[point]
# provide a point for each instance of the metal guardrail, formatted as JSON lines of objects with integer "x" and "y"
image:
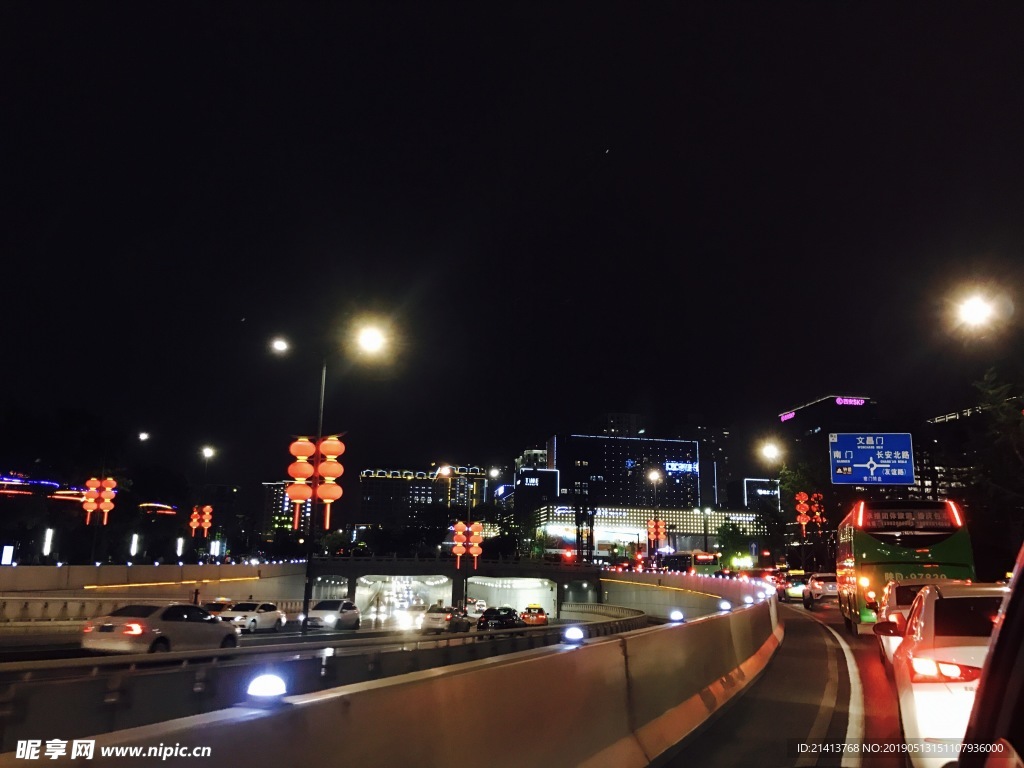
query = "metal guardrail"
{"x": 77, "y": 698}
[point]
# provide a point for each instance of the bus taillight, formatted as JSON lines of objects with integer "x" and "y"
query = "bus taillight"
{"x": 860, "y": 516}
{"x": 956, "y": 513}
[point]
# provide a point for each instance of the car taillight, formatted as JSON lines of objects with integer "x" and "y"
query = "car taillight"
{"x": 447, "y": 617}
{"x": 87, "y": 628}
{"x": 931, "y": 671}
{"x": 133, "y": 629}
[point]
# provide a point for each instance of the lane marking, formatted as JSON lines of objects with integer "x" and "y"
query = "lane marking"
{"x": 826, "y": 708}
{"x": 855, "y": 718}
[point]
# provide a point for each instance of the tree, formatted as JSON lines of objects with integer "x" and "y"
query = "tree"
{"x": 733, "y": 542}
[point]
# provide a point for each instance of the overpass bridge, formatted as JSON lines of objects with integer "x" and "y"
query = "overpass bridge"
{"x": 622, "y": 699}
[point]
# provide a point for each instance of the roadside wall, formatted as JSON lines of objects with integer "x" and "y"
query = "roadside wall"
{"x": 621, "y": 701}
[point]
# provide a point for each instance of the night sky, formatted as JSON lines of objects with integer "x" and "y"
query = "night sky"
{"x": 697, "y": 212}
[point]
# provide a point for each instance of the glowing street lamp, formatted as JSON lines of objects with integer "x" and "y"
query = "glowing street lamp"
{"x": 771, "y": 452}
{"x": 975, "y": 311}
{"x": 372, "y": 341}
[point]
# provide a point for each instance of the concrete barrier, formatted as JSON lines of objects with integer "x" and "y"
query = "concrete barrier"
{"x": 621, "y": 701}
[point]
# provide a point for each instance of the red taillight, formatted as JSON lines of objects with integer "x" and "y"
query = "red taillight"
{"x": 447, "y": 617}
{"x": 87, "y": 628}
{"x": 931, "y": 671}
{"x": 133, "y": 629}
{"x": 956, "y": 513}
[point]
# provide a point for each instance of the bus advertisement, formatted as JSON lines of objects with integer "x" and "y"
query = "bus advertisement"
{"x": 883, "y": 541}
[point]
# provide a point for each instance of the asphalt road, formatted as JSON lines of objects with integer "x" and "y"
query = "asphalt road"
{"x": 807, "y": 694}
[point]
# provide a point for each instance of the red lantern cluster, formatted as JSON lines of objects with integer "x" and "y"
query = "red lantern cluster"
{"x": 476, "y": 536}
{"x": 323, "y": 474}
{"x": 802, "y": 508}
{"x": 460, "y": 543}
{"x": 106, "y": 496}
{"x": 201, "y": 517}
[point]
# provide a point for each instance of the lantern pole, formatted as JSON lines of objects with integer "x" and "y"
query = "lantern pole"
{"x": 307, "y": 590}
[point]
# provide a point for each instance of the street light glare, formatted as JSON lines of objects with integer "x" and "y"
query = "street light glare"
{"x": 770, "y": 451}
{"x": 208, "y": 452}
{"x": 976, "y": 311}
{"x": 279, "y": 345}
{"x": 371, "y": 340}
{"x": 143, "y": 436}
{"x": 654, "y": 476}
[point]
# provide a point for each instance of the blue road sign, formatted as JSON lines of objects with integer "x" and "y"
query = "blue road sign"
{"x": 879, "y": 458}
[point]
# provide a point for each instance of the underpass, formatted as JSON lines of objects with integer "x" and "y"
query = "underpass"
{"x": 805, "y": 694}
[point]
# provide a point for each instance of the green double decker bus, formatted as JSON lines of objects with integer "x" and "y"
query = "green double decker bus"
{"x": 883, "y": 541}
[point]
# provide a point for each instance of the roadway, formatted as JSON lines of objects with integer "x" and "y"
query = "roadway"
{"x": 807, "y": 694}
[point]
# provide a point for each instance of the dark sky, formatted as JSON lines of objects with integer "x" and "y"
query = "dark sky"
{"x": 706, "y": 212}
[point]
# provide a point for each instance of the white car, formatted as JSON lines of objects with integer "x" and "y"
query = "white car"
{"x": 937, "y": 666}
{"x": 820, "y": 586}
{"x": 894, "y": 605}
{"x": 252, "y": 616}
{"x": 157, "y": 628}
{"x": 334, "y": 614}
{"x": 444, "y": 618}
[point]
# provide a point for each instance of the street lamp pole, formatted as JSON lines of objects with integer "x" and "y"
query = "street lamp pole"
{"x": 307, "y": 589}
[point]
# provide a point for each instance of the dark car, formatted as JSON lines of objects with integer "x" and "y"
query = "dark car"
{"x": 500, "y": 618}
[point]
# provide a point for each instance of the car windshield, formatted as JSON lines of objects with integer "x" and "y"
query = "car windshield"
{"x": 415, "y": 608}
{"x": 135, "y": 611}
{"x": 245, "y": 607}
{"x": 905, "y": 595}
{"x": 966, "y": 616}
{"x": 490, "y": 613}
{"x": 828, "y": 578}
{"x": 535, "y": 610}
{"x": 438, "y": 609}
{"x": 216, "y": 606}
{"x": 328, "y": 605}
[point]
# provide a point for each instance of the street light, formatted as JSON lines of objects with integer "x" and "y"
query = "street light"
{"x": 771, "y": 452}
{"x": 371, "y": 340}
{"x": 208, "y": 453}
{"x": 975, "y": 311}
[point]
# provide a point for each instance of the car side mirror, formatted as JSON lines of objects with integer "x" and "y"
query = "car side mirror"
{"x": 887, "y": 629}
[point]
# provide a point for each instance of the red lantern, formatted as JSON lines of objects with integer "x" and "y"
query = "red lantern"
{"x": 460, "y": 539}
{"x": 302, "y": 448}
{"x": 193, "y": 520}
{"x": 476, "y": 531}
{"x": 300, "y": 470}
{"x": 207, "y": 520}
{"x": 329, "y": 470}
{"x": 89, "y": 499}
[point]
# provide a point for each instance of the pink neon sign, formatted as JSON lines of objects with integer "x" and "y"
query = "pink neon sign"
{"x": 787, "y": 416}
{"x": 849, "y": 401}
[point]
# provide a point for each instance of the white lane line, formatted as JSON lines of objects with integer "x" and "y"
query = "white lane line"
{"x": 855, "y": 718}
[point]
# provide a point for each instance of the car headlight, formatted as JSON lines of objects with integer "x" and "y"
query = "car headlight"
{"x": 302, "y": 617}
{"x": 330, "y": 618}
